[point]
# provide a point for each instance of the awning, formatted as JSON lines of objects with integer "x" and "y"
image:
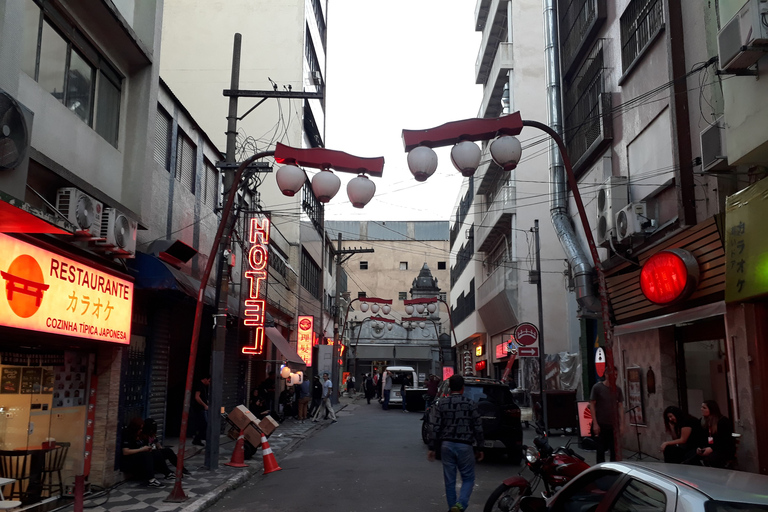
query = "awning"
{"x": 18, "y": 220}
{"x": 282, "y": 346}
{"x": 153, "y": 274}
{"x": 382, "y": 352}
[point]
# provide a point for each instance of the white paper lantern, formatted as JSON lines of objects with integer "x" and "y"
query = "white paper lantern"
{"x": 432, "y": 307}
{"x": 422, "y": 324}
{"x": 290, "y": 179}
{"x": 422, "y": 161}
{"x": 506, "y": 151}
{"x": 325, "y": 185}
{"x": 420, "y": 308}
{"x": 360, "y": 190}
{"x": 466, "y": 157}
{"x": 374, "y": 308}
{"x": 363, "y": 307}
{"x": 386, "y": 308}
{"x": 409, "y": 309}
{"x": 285, "y": 372}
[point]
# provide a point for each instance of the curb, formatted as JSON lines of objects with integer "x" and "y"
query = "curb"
{"x": 211, "y": 497}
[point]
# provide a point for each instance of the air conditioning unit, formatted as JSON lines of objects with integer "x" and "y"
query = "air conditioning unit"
{"x": 713, "y": 156}
{"x": 631, "y": 221}
{"x": 738, "y": 40}
{"x": 119, "y": 230}
{"x": 611, "y": 197}
{"x": 83, "y": 211}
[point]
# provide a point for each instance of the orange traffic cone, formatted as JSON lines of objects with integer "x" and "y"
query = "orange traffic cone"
{"x": 238, "y": 456}
{"x": 270, "y": 463}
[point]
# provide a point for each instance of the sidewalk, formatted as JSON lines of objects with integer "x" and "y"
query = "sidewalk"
{"x": 204, "y": 487}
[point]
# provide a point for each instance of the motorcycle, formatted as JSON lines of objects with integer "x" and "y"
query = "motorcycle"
{"x": 553, "y": 467}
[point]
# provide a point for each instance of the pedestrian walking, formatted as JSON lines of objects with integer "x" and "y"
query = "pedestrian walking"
{"x": 432, "y": 385}
{"x": 377, "y": 381}
{"x": 317, "y": 395}
{"x": 387, "y": 388}
{"x": 602, "y": 401}
{"x": 350, "y": 386}
{"x": 458, "y": 434}
{"x": 369, "y": 387}
{"x": 403, "y": 386}
{"x": 305, "y": 395}
{"x": 326, "y": 403}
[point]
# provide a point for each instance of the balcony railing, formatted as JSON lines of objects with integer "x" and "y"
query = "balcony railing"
{"x": 496, "y": 297}
{"x": 495, "y": 32}
{"x": 497, "y": 221}
{"x": 497, "y": 76}
{"x": 579, "y": 22}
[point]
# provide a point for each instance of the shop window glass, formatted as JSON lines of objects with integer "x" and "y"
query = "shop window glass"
{"x": 31, "y": 33}
{"x": 108, "y": 110}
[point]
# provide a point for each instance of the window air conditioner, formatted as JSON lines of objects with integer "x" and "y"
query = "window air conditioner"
{"x": 611, "y": 197}
{"x": 631, "y": 221}
{"x": 119, "y": 230}
{"x": 80, "y": 209}
{"x": 713, "y": 156}
{"x": 747, "y": 29}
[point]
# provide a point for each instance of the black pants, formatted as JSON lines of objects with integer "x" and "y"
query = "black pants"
{"x": 160, "y": 456}
{"x": 678, "y": 454}
{"x": 139, "y": 465}
{"x": 201, "y": 425}
{"x": 605, "y": 441}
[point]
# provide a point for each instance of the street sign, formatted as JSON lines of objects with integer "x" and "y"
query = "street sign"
{"x": 528, "y": 352}
{"x": 526, "y": 334}
{"x": 600, "y": 362}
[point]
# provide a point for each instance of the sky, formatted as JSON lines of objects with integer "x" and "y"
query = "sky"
{"x": 393, "y": 65}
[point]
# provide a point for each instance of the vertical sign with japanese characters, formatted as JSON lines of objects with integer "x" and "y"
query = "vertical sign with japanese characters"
{"x": 256, "y": 277}
{"x": 47, "y": 292}
{"x": 746, "y": 246}
{"x": 304, "y": 337}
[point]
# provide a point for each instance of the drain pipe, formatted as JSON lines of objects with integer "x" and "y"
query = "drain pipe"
{"x": 577, "y": 258}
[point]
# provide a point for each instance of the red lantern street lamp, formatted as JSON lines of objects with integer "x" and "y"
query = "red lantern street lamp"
{"x": 669, "y": 276}
{"x": 506, "y": 151}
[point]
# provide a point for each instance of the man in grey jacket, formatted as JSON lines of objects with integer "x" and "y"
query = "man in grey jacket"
{"x": 458, "y": 433}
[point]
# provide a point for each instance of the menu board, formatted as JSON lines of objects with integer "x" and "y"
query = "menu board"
{"x": 30, "y": 380}
{"x": 9, "y": 380}
{"x": 47, "y": 381}
{"x": 635, "y": 396}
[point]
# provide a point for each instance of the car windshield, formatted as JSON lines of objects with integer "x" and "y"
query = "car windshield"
{"x": 495, "y": 394}
{"x": 727, "y": 506}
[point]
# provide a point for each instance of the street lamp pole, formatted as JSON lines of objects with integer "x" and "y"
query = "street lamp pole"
{"x": 506, "y": 151}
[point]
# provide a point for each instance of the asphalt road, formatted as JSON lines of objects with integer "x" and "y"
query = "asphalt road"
{"x": 370, "y": 460}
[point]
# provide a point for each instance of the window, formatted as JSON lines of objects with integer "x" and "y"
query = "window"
{"x": 71, "y": 69}
{"x": 186, "y": 155}
{"x": 310, "y": 275}
{"x": 586, "y": 492}
{"x": 402, "y": 295}
{"x": 640, "y": 496}
{"x": 210, "y": 185}
{"x": 360, "y": 295}
{"x": 640, "y": 22}
{"x": 163, "y": 125}
{"x": 363, "y": 265}
{"x": 441, "y": 265}
{"x": 403, "y": 265}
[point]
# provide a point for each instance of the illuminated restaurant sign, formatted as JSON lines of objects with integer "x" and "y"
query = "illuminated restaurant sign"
{"x": 258, "y": 257}
{"x": 47, "y": 292}
{"x": 305, "y": 337}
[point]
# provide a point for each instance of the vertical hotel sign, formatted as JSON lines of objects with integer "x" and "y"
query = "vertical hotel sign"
{"x": 44, "y": 291}
{"x": 305, "y": 337}
{"x": 256, "y": 275}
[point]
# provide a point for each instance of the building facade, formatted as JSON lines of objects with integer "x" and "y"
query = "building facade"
{"x": 79, "y": 92}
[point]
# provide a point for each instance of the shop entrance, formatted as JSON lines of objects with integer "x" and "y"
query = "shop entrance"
{"x": 43, "y": 412}
{"x": 701, "y": 365}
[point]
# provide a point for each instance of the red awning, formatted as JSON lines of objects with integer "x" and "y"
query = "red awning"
{"x": 17, "y": 220}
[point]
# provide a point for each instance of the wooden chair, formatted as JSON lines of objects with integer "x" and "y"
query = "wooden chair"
{"x": 54, "y": 463}
{"x": 14, "y": 464}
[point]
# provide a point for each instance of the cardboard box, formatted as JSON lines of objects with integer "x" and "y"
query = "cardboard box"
{"x": 242, "y": 417}
{"x": 268, "y": 425}
{"x": 253, "y": 435}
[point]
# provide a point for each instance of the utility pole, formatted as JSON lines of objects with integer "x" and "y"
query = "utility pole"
{"x": 342, "y": 255}
{"x": 542, "y": 358}
{"x": 220, "y": 336}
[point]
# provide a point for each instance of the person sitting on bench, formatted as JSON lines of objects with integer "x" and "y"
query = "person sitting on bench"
{"x": 137, "y": 460}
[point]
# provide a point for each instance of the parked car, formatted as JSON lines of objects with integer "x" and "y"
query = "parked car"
{"x": 502, "y": 429}
{"x": 652, "y": 487}
{"x": 398, "y": 374}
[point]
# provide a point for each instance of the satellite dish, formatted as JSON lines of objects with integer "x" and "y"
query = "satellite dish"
{"x": 14, "y": 136}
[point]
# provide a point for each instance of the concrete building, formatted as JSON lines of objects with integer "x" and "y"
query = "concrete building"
{"x": 283, "y": 48}
{"x": 78, "y": 91}
{"x": 409, "y": 260}
{"x": 492, "y": 243}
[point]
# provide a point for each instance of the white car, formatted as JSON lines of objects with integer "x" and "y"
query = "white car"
{"x": 656, "y": 487}
{"x": 398, "y": 374}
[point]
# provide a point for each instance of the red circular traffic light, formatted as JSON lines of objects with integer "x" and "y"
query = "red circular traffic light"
{"x": 669, "y": 276}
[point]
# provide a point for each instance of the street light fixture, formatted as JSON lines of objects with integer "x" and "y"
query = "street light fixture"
{"x": 318, "y": 158}
{"x": 506, "y": 151}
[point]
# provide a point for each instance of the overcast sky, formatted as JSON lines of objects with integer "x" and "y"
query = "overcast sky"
{"x": 393, "y": 65}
